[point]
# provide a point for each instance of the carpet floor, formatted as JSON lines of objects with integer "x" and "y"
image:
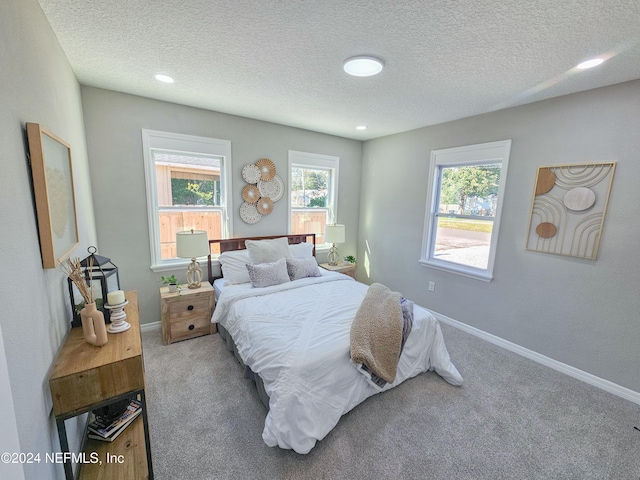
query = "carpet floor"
{"x": 512, "y": 419}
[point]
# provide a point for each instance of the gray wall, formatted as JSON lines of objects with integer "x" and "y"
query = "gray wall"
{"x": 38, "y": 86}
{"x": 579, "y": 312}
{"x": 113, "y": 123}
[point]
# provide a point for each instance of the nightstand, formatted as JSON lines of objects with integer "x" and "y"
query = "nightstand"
{"x": 346, "y": 269}
{"x": 187, "y": 313}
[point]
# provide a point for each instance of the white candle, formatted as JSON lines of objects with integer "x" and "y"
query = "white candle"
{"x": 115, "y": 298}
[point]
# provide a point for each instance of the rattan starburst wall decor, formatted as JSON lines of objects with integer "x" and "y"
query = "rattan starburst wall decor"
{"x": 568, "y": 209}
{"x": 263, "y": 188}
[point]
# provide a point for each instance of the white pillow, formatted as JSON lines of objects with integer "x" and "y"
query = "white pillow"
{"x": 233, "y": 266}
{"x": 267, "y": 274}
{"x": 266, "y": 251}
{"x": 298, "y": 268}
{"x": 301, "y": 250}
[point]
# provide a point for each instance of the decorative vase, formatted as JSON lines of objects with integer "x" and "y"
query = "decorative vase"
{"x": 93, "y": 326}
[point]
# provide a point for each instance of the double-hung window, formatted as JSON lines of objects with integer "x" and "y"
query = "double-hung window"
{"x": 313, "y": 187}
{"x": 466, "y": 189}
{"x": 188, "y": 187}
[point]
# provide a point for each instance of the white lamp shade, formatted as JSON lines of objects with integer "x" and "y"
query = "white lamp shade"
{"x": 334, "y": 233}
{"x": 192, "y": 244}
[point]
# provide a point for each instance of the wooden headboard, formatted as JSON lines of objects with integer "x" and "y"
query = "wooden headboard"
{"x": 229, "y": 244}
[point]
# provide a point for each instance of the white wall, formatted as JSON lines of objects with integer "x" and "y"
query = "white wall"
{"x": 579, "y": 312}
{"x": 113, "y": 123}
{"x": 38, "y": 86}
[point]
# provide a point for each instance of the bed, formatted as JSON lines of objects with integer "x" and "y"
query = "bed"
{"x": 293, "y": 338}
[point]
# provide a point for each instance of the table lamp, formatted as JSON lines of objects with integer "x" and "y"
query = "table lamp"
{"x": 334, "y": 234}
{"x": 192, "y": 244}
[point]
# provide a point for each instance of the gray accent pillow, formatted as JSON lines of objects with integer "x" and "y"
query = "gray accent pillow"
{"x": 301, "y": 268}
{"x": 267, "y": 274}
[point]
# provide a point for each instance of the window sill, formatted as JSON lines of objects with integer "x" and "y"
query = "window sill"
{"x": 470, "y": 272}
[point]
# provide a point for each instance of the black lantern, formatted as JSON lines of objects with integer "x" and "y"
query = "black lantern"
{"x": 104, "y": 279}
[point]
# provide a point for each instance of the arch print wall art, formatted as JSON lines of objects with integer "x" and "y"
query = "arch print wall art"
{"x": 568, "y": 209}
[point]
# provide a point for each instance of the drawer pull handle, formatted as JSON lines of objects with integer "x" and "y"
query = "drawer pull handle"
{"x": 191, "y": 327}
{"x": 190, "y": 307}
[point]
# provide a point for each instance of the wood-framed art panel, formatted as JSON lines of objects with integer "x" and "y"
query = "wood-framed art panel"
{"x": 568, "y": 209}
{"x": 52, "y": 174}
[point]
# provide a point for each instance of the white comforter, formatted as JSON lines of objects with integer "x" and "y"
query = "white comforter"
{"x": 296, "y": 337}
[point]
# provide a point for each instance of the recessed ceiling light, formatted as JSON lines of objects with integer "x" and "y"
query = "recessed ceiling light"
{"x": 164, "y": 78}
{"x": 361, "y": 127}
{"x": 363, "y": 66}
{"x": 594, "y": 62}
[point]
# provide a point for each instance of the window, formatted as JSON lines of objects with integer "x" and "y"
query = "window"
{"x": 466, "y": 186}
{"x": 187, "y": 180}
{"x": 313, "y": 187}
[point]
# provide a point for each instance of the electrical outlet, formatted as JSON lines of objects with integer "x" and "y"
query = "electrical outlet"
{"x": 432, "y": 286}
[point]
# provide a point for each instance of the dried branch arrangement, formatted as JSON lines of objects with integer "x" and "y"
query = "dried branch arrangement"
{"x": 74, "y": 271}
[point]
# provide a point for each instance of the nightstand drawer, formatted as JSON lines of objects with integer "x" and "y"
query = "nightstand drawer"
{"x": 189, "y": 308}
{"x": 190, "y": 327}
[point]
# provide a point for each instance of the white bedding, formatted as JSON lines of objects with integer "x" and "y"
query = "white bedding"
{"x": 296, "y": 337}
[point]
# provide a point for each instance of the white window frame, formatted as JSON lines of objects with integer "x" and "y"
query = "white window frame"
{"x": 470, "y": 155}
{"x": 188, "y": 144}
{"x": 315, "y": 160}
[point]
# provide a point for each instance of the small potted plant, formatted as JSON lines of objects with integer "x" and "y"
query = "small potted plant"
{"x": 349, "y": 259}
{"x": 171, "y": 282}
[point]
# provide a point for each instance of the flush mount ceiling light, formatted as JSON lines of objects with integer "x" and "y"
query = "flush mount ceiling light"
{"x": 363, "y": 66}
{"x": 594, "y": 62}
{"x": 361, "y": 127}
{"x": 164, "y": 78}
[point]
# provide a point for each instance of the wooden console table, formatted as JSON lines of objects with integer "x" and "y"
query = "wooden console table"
{"x": 85, "y": 377}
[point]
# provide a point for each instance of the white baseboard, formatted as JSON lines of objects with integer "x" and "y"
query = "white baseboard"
{"x": 150, "y": 327}
{"x": 601, "y": 383}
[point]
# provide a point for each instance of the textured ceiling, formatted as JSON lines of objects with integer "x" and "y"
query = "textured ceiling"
{"x": 281, "y": 60}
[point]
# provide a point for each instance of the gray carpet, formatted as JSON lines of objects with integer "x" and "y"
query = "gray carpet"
{"x": 512, "y": 419}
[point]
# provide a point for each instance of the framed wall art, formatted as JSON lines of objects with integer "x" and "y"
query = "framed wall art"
{"x": 53, "y": 190}
{"x": 568, "y": 209}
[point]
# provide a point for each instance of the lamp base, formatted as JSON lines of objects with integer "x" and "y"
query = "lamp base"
{"x": 332, "y": 257}
{"x": 194, "y": 275}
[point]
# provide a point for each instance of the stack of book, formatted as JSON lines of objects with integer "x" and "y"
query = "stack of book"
{"x": 107, "y": 429}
